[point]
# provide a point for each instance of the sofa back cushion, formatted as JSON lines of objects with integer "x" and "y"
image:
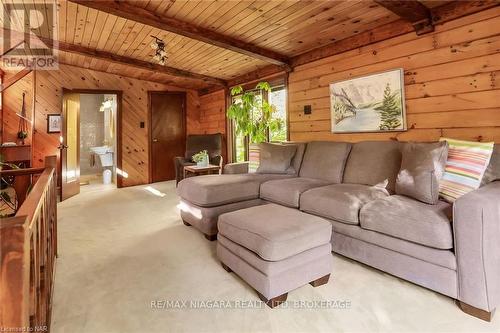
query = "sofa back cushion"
{"x": 374, "y": 163}
{"x": 493, "y": 171}
{"x": 422, "y": 168}
{"x": 325, "y": 160}
{"x": 276, "y": 158}
{"x": 299, "y": 155}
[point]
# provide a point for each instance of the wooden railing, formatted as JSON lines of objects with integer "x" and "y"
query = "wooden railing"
{"x": 28, "y": 250}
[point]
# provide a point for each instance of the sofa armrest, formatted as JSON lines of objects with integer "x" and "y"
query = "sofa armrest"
{"x": 233, "y": 168}
{"x": 476, "y": 226}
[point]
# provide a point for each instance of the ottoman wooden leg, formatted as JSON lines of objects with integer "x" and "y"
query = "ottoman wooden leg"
{"x": 273, "y": 302}
{"x": 321, "y": 281}
{"x": 226, "y": 267}
{"x": 185, "y": 223}
{"x": 475, "y": 312}
{"x": 211, "y": 237}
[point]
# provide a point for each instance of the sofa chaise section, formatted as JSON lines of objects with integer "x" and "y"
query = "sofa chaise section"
{"x": 204, "y": 198}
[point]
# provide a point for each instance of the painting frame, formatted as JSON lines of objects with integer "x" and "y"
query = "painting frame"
{"x": 396, "y": 75}
{"x": 54, "y": 124}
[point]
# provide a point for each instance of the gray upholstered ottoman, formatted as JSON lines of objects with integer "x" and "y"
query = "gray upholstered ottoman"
{"x": 275, "y": 249}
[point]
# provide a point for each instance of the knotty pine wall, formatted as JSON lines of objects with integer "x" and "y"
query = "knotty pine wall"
{"x": 49, "y": 85}
{"x": 452, "y": 83}
{"x": 12, "y": 101}
{"x": 213, "y": 116}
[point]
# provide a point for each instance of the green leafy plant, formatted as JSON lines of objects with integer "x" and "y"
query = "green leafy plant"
{"x": 21, "y": 135}
{"x": 252, "y": 114}
{"x": 200, "y": 157}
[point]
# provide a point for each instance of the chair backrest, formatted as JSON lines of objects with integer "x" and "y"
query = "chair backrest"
{"x": 209, "y": 142}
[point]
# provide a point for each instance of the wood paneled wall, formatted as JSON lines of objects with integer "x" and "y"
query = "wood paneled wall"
{"x": 12, "y": 101}
{"x": 49, "y": 85}
{"x": 212, "y": 116}
{"x": 452, "y": 83}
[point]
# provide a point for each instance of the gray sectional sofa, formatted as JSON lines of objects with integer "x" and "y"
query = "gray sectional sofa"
{"x": 452, "y": 249}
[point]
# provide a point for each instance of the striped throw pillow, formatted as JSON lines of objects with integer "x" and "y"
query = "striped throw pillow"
{"x": 467, "y": 161}
{"x": 253, "y": 158}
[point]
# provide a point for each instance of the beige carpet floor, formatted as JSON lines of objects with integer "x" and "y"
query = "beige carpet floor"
{"x": 120, "y": 251}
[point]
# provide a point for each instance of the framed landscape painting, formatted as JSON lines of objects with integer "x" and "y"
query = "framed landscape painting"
{"x": 372, "y": 103}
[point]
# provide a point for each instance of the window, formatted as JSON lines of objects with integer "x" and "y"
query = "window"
{"x": 276, "y": 97}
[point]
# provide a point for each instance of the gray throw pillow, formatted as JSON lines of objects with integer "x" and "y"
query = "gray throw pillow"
{"x": 493, "y": 172}
{"x": 275, "y": 158}
{"x": 422, "y": 167}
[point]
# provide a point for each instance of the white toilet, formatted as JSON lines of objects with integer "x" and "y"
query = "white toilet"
{"x": 105, "y": 154}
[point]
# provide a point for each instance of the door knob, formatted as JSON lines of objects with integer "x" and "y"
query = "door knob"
{"x": 155, "y": 140}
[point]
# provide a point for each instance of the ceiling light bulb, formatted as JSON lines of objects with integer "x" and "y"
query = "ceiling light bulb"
{"x": 154, "y": 45}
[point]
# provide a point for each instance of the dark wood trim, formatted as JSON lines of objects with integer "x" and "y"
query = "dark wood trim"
{"x": 16, "y": 77}
{"x": 411, "y": 11}
{"x": 150, "y": 123}
{"x": 475, "y": 312}
{"x": 119, "y": 138}
{"x": 144, "y": 16}
{"x": 119, "y": 59}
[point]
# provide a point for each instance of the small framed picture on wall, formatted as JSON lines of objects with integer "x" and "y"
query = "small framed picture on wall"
{"x": 54, "y": 123}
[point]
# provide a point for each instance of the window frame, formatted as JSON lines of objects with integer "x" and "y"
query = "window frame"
{"x": 280, "y": 84}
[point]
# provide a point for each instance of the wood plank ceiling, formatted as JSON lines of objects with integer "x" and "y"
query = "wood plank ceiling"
{"x": 285, "y": 27}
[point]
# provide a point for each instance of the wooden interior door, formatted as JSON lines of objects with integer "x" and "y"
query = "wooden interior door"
{"x": 70, "y": 154}
{"x": 168, "y": 133}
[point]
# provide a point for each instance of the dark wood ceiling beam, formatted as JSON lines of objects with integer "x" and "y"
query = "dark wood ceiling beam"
{"x": 144, "y": 16}
{"x": 123, "y": 60}
{"x": 411, "y": 11}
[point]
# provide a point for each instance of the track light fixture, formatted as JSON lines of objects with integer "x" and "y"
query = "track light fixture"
{"x": 160, "y": 53}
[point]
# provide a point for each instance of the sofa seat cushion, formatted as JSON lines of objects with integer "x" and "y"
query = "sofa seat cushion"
{"x": 287, "y": 191}
{"x": 274, "y": 232}
{"x": 215, "y": 190}
{"x": 340, "y": 202}
{"x": 411, "y": 220}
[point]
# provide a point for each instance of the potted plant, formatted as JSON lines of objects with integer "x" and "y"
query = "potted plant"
{"x": 252, "y": 114}
{"x": 201, "y": 158}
